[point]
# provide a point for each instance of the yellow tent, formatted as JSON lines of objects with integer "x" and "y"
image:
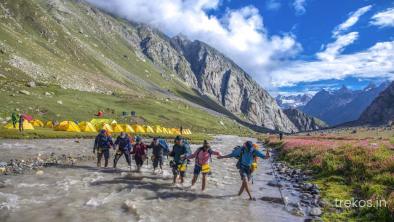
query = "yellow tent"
{"x": 138, "y": 128}
{"x": 87, "y": 127}
{"x": 158, "y": 129}
{"x": 26, "y": 126}
{"x": 113, "y": 122}
{"x": 101, "y": 121}
{"x": 175, "y": 131}
{"x": 37, "y": 123}
{"x": 69, "y": 126}
{"x": 49, "y": 124}
{"x": 104, "y": 126}
{"x": 148, "y": 129}
{"x": 168, "y": 131}
{"x": 117, "y": 128}
{"x": 127, "y": 128}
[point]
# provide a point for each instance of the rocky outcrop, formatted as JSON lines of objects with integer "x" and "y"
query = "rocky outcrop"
{"x": 381, "y": 111}
{"x": 230, "y": 86}
{"x": 303, "y": 122}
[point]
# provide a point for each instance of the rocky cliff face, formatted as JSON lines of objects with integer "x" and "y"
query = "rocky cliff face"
{"x": 381, "y": 111}
{"x": 303, "y": 122}
{"x": 230, "y": 86}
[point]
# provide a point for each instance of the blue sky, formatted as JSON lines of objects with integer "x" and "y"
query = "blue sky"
{"x": 285, "y": 45}
{"x": 313, "y": 28}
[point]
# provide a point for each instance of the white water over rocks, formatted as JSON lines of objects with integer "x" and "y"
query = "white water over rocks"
{"x": 83, "y": 192}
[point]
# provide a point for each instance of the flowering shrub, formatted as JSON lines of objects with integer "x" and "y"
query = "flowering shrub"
{"x": 366, "y": 165}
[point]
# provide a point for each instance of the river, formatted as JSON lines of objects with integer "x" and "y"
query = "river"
{"x": 83, "y": 192}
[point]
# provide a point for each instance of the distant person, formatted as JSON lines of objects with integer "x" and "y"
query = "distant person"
{"x": 102, "y": 144}
{"x": 14, "y": 119}
{"x": 21, "y": 120}
{"x": 99, "y": 113}
{"x": 181, "y": 129}
{"x": 202, "y": 155}
{"x": 281, "y": 136}
{"x": 245, "y": 155}
{"x": 139, "y": 152}
{"x": 123, "y": 144}
{"x": 158, "y": 150}
{"x": 178, "y": 165}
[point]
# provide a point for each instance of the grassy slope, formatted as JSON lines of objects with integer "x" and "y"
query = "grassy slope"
{"x": 63, "y": 50}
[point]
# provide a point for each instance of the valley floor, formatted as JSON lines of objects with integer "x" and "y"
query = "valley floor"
{"x": 82, "y": 192}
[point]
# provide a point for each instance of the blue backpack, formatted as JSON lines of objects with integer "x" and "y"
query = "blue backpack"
{"x": 165, "y": 146}
{"x": 187, "y": 146}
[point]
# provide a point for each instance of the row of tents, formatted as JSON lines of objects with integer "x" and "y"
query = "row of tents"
{"x": 99, "y": 124}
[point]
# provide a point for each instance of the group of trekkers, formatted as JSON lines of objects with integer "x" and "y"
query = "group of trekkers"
{"x": 124, "y": 144}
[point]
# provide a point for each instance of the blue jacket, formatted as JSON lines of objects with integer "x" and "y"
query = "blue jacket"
{"x": 247, "y": 155}
{"x": 124, "y": 143}
{"x": 177, "y": 152}
{"x": 102, "y": 141}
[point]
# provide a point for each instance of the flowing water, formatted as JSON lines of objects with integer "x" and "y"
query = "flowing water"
{"x": 82, "y": 192}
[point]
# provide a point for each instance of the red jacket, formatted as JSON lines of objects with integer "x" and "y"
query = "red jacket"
{"x": 139, "y": 149}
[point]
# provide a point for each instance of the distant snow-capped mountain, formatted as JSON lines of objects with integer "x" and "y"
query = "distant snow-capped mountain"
{"x": 342, "y": 105}
{"x": 293, "y": 101}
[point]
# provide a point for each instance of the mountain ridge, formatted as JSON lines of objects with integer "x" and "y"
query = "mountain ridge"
{"x": 77, "y": 46}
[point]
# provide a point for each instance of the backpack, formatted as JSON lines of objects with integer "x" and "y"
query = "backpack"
{"x": 163, "y": 143}
{"x": 187, "y": 146}
{"x": 240, "y": 156}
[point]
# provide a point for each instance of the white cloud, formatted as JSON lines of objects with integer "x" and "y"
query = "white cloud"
{"x": 299, "y": 6}
{"x": 240, "y": 34}
{"x": 352, "y": 20}
{"x": 273, "y": 5}
{"x": 334, "y": 49}
{"x": 377, "y": 61}
{"x": 384, "y": 18}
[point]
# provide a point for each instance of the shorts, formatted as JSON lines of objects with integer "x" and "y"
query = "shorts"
{"x": 245, "y": 172}
{"x": 198, "y": 169}
{"x": 138, "y": 160}
{"x": 177, "y": 171}
{"x": 104, "y": 152}
{"x": 157, "y": 161}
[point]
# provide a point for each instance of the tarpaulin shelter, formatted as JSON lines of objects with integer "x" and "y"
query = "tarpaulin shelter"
{"x": 27, "y": 117}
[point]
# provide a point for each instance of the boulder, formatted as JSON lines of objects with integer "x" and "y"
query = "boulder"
{"x": 24, "y": 92}
{"x": 315, "y": 211}
{"x": 31, "y": 84}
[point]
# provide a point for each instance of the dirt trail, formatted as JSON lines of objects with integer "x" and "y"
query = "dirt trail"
{"x": 85, "y": 193}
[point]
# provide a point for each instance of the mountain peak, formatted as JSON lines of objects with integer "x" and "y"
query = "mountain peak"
{"x": 370, "y": 86}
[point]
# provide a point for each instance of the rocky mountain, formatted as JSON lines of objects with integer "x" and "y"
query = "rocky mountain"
{"x": 381, "y": 111}
{"x": 342, "y": 105}
{"x": 77, "y": 46}
{"x": 303, "y": 122}
{"x": 293, "y": 101}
